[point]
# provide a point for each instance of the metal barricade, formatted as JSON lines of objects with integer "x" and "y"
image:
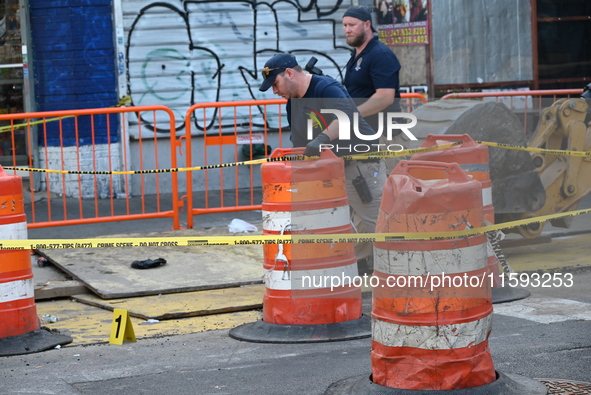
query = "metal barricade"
{"x": 80, "y": 156}
{"x": 258, "y": 125}
{"x": 95, "y": 141}
{"x": 411, "y": 100}
{"x": 528, "y": 102}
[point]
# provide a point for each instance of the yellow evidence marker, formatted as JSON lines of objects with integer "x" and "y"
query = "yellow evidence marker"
{"x": 121, "y": 328}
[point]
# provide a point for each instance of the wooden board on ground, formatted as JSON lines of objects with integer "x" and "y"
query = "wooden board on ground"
{"x": 561, "y": 253}
{"x": 59, "y": 289}
{"x": 108, "y": 273}
{"x": 90, "y": 325}
{"x": 182, "y": 305}
{"x": 50, "y": 282}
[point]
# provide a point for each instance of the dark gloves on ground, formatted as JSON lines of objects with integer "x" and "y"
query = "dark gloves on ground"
{"x": 313, "y": 147}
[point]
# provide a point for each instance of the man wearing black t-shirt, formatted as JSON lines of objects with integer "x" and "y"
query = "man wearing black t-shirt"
{"x": 372, "y": 73}
{"x": 307, "y": 96}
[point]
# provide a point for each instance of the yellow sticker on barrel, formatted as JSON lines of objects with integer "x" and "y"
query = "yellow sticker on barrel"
{"x": 121, "y": 327}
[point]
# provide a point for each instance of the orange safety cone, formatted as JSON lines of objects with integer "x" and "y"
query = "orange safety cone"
{"x": 310, "y": 295}
{"x": 20, "y": 330}
{"x": 473, "y": 159}
{"x": 432, "y": 309}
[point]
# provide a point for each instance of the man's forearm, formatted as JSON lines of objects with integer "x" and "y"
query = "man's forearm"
{"x": 379, "y": 101}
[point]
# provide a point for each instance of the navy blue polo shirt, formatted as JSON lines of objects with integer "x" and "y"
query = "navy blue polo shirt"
{"x": 325, "y": 93}
{"x": 376, "y": 67}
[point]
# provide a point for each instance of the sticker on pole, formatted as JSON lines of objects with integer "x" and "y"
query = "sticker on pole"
{"x": 121, "y": 327}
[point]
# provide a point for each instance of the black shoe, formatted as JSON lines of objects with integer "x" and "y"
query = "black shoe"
{"x": 365, "y": 266}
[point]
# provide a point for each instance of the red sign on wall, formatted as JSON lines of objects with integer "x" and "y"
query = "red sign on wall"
{"x": 403, "y": 22}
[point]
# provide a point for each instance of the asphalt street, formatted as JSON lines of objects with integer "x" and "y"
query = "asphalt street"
{"x": 547, "y": 335}
{"x": 548, "y": 342}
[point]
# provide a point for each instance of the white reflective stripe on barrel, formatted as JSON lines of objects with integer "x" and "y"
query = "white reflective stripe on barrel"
{"x": 439, "y": 337}
{"x": 434, "y": 262}
{"x": 306, "y": 219}
{"x": 344, "y": 275}
{"x": 487, "y": 197}
{"x": 16, "y": 231}
{"x": 16, "y": 290}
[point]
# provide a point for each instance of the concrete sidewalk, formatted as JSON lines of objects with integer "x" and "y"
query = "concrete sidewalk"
{"x": 546, "y": 336}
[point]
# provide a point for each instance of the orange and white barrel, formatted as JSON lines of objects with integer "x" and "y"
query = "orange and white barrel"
{"x": 473, "y": 159}
{"x": 430, "y": 319}
{"x": 18, "y": 313}
{"x": 308, "y": 284}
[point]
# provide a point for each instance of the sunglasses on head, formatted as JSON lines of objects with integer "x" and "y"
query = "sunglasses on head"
{"x": 267, "y": 71}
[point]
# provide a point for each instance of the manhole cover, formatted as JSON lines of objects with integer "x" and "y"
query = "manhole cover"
{"x": 566, "y": 387}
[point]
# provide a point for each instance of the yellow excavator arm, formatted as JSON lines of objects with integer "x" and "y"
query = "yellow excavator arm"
{"x": 566, "y": 179}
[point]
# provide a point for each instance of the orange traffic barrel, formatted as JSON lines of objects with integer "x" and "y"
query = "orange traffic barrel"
{"x": 474, "y": 160}
{"x": 18, "y": 313}
{"x": 432, "y": 312}
{"x": 310, "y": 293}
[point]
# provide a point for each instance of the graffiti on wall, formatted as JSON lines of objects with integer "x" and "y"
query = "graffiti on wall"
{"x": 179, "y": 53}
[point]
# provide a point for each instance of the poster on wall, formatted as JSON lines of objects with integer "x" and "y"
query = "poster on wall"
{"x": 402, "y": 22}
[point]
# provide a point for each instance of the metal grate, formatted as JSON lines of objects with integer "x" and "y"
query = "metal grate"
{"x": 566, "y": 387}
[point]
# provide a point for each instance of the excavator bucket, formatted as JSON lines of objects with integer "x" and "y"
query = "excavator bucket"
{"x": 516, "y": 185}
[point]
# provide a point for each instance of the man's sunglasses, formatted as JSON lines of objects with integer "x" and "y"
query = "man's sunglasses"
{"x": 267, "y": 71}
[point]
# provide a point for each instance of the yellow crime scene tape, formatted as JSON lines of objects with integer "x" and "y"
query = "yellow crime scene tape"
{"x": 538, "y": 150}
{"x": 369, "y": 155}
{"x": 3, "y": 129}
{"x": 45, "y": 244}
{"x": 284, "y": 239}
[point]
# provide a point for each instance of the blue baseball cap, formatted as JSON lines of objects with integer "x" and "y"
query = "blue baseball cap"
{"x": 274, "y": 66}
{"x": 360, "y": 12}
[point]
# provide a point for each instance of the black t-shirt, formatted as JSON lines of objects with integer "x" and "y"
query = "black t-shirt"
{"x": 376, "y": 67}
{"x": 325, "y": 93}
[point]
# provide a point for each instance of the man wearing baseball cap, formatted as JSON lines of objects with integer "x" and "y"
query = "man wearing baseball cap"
{"x": 275, "y": 66}
{"x": 372, "y": 71}
{"x": 288, "y": 80}
{"x": 372, "y": 81}
{"x": 307, "y": 95}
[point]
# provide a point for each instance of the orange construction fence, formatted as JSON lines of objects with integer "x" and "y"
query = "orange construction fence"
{"x": 221, "y": 145}
{"x": 528, "y": 102}
{"x": 53, "y": 142}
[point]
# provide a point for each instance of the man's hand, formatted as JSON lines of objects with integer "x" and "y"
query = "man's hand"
{"x": 313, "y": 147}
